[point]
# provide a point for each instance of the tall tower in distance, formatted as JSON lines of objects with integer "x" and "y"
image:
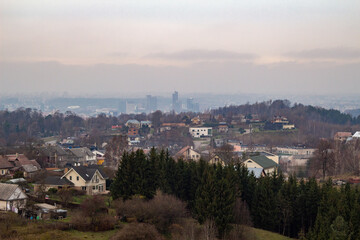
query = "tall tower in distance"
{"x": 176, "y": 105}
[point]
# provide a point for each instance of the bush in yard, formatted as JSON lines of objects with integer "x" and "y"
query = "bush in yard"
{"x": 52, "y": 190}
{"x": 93, "y": 215}
{"x": 162, "y": 211}
{"x": 138, "y": 231}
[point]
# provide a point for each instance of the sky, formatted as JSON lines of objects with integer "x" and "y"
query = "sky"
{"x": 153, "y": 46}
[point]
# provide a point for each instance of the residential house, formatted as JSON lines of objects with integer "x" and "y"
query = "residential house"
{"x": 82, "y": 156}
{"x": 12, "y": 198}
{"x": 100, "y": 157}
{"x": 223, "y": 128}
{"x": 52, "y": 181}
{"x": 21, "y": 163}
{"x": 295, "y": 151}
{"x": 133, "y": 123}
{"x": 280, "y": 119}
{"x": 146, "y": 124}
{"x": 342, "y": 136}
{"x": 5, "y": 166}
{"x": 261, "y": 161}
{"x": 196, "y": 120}
{"x": 188, "y": 153}
{"x": 116, "y": 127}
{"x": 356, "y": 135}
{"x": 219, "y": 142}
{"x": 133, "y": 131}
{"x": 53, "y": 156}
{"x": 294, "y": 159}
{"x": 217, "y": 159}
{"x": 90, "y": 179}
{"x": 198, "y": 132}
{"x": 288, "y": 126}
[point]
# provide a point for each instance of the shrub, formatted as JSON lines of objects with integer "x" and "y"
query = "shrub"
{"x": 93, "y": 216}
{"x": 138, "y": 231}
{"x": 162, "y": 211}
{"x": 76, "y": 192}
{"x": 9, "y": 220}
{"x": 188, "y": 229}
{"x": 52, "y": 190}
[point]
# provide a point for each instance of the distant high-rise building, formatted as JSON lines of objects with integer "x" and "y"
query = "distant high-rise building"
{"x": 176, "y": 104}
{"x": 191, "y": 105}
{"x": 122, "y": 106}
{"x": 151, "y": 103}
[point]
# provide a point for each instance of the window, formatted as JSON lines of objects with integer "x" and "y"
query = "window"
{"x": 83, "y": 188}
{"x": 96, "y": 187}
{"x": 77, "y": 178}
{"x": 93, "y": 187}
{"x": 70, "y": 177}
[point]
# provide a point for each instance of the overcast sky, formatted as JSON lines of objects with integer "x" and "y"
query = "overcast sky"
{"x": 125, "y": 46}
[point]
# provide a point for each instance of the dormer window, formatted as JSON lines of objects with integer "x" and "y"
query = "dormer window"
{"x": 70, "y": 178}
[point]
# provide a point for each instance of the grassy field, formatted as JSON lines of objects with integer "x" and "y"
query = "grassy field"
{"x": 92, "y": 235}
{"x": 36, "y": 232}
{"x": 69, "y": 235}
{"x": 262, "y": 235}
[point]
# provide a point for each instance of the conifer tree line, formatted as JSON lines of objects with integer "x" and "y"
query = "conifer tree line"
{"x": 292, "y": 207}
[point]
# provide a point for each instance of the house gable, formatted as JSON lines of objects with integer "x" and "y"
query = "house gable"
{"x": 252, "y": 164}
{"x": 73, "y": 177}
{"x": 17, "y": 194}
{"x": 97, "y": 174}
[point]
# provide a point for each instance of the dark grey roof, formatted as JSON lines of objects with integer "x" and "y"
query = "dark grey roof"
{"x": 81, "y": 152}
{"x": 51, "y": 150}
{"x": 6, "y": 190}
{"x": 263, "y": 161}
{"x": 55, "y": 180}
{"x": 88, "y": 172}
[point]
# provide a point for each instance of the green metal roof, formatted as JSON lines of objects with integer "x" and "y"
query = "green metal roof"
{"x": 264, "y": 161}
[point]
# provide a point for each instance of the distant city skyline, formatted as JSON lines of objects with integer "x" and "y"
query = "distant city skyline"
{"x": 99, "y": 47}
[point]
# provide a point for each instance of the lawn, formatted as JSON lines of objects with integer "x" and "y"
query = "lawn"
{"x": 262, "y": 234}
{"x": 92, "y": 235}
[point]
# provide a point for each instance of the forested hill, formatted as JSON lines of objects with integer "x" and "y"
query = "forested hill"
{"x": 267, "y": 110}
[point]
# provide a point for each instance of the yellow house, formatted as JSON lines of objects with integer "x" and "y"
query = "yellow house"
{"x": 90, "y": 179}
{"x": 188, "y": 153}
{"x": 216, "y": 159}
{"x": 5, "y": 166}
{"x": 261, "y": 161}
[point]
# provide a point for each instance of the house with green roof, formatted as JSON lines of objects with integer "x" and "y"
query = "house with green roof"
{"x": 261, "y": 161}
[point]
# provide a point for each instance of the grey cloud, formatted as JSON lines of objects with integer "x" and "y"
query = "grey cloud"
{"x": 327, "y": 53}
{"x": 201, "y": 54}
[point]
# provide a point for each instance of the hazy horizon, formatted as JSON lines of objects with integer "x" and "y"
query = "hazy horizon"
{"x": 129, "y": 47}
